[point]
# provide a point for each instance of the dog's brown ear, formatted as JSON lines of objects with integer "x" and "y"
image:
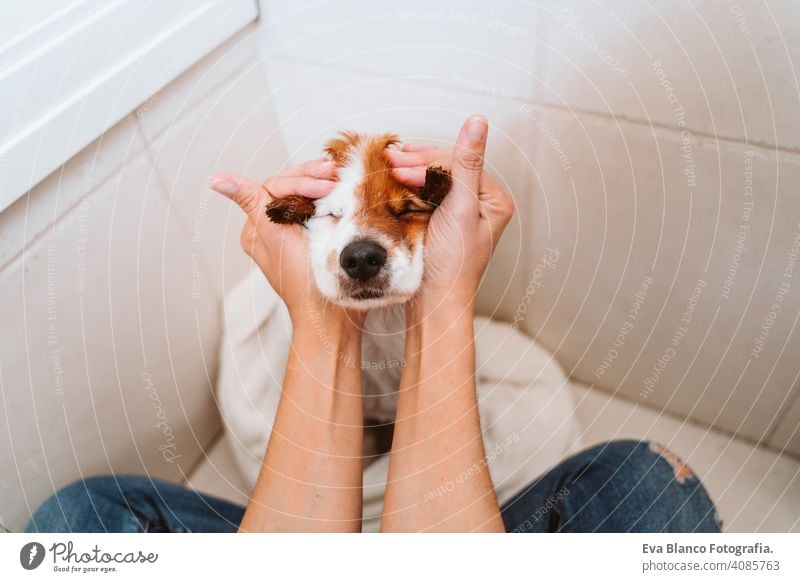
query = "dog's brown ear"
{"x": 437, "y": 184}
{"x": 292, "y": 209}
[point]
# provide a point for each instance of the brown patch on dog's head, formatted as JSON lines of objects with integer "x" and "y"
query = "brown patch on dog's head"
{"x": 367, "y": 236}
{"x": 391, "y": 208}
{"x": 338, "y": 149}
{"x": 292, "y": 209}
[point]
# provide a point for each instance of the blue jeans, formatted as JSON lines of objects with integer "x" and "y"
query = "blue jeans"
{"x": 619, "y": 486}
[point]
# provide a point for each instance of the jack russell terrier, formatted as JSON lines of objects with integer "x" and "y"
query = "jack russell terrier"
{"x": 367, "y": 248}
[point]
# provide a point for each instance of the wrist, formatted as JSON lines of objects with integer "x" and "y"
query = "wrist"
{"x": 436, "y": 309}
{"x": 314, "y": 313}
{"x": 324, "y": 331}
{"x": 328, "y": 349}
{"x": 437, "y": 322}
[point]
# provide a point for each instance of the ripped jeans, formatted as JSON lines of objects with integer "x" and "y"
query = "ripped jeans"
{"x": 618, "y": 486}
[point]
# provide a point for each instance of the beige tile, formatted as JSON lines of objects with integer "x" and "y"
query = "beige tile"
{"x": 626, "y": 217}
{"x": 105, "y": 341}
{"x": 728, "y": 65}
{"x": 234, "y": 129}
{"x": 755, "y": 489}
{"x": 313, "y": 104}
{"x": 786, "y": 434}
{"x": 223, "y": 64}
{"x": 436, "y": 43}
{"x": 37, "y": 211}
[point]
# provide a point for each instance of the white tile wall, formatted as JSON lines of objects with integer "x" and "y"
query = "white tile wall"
{"x": 233, "y": 129}
{"x": 164, "y": 108}
{"x": 627, "y": 212}
{"x": 730, "y": 65}
{"x": 590, "y": 144}
{"x": 435, "y": 43}
{"x": 107, "y": 343}
{"x": 111, "y": 279}
{"x": 786, "y": 433}
{"x": 39, "y": 209}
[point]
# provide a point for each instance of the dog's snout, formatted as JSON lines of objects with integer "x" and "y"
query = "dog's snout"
{"x": 363, "y": 259}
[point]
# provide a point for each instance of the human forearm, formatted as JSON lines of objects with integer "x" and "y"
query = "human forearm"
{"x": 438, "y": 479}
{"x": 312, "y": 472}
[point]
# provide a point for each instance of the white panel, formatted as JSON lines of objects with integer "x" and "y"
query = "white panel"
{"x": 42, "y": 207}
{"x": 26, "y": 21}
{"x": 80, "y": 82}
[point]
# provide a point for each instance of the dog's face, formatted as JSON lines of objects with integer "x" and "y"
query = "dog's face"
{"x": 367, "y": 236}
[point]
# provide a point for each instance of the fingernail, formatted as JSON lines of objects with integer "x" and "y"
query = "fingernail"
{"x": 224, "y": 187}
{"x": 476, "y": 128}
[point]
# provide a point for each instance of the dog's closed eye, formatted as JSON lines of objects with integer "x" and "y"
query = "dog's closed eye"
{"x": 410, "y": 207}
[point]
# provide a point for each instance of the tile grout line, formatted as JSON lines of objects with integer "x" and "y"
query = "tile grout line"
{"x": 436, "y": 83}
{"x": 780, "y": 416}
{"x": 33, "y": 244}
{"x": 665, "y": 127}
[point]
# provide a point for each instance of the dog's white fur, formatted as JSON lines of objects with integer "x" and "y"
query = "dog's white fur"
{"x": 333, "y": 227}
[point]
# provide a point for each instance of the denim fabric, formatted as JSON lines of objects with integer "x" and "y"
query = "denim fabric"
{"x": 613, "y": 487}
{"x": 133, "y": 503}
{"x": 619, "y": 486}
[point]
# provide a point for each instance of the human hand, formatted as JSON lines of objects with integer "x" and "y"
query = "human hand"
{"x": 465, "y": 228}
{"x": 281, "y": 250}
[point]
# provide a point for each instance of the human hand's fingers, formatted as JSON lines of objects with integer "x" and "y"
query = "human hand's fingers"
{"x": 236, "y": 187}
{"x": 495, "y": 203}
{"x": 418, "y": 157}
{"x": 468, "y": 155}
{"x": 249, "y": 195}
{"x": 322, "y": 168}
{"x": 411, "y": 147}
{"x": 415, "y": 177}
{"x": 252, "y": 198}
{"x": 282, "y": 186}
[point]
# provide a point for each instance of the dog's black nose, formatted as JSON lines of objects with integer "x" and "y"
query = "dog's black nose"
{"x": 363, "y": 259}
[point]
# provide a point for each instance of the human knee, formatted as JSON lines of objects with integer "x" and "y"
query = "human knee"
{"x": 652, "y": 486}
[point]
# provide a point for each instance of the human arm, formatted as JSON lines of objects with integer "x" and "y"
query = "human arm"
{"x": 438, "y": 479}
{"x": 311, "y": 475}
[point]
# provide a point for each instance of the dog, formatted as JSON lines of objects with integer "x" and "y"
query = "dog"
{"x": 367, "y": 251}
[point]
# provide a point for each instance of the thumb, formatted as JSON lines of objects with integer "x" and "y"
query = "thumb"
{"x": 250, "y": 196}
{"x": 468, "y": 157}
